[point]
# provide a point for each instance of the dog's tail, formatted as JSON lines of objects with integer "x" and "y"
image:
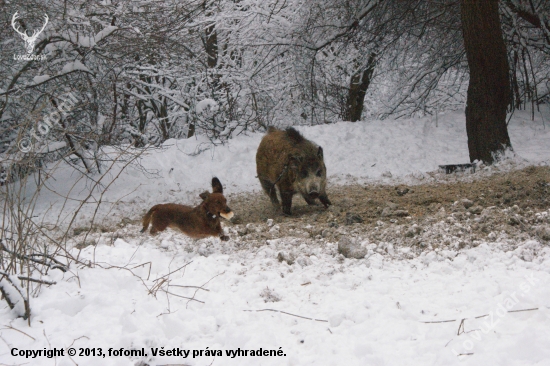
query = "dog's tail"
{"x": 147, "y": 218}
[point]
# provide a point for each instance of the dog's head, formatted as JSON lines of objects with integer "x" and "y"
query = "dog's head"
{"x": 215, "y": 202}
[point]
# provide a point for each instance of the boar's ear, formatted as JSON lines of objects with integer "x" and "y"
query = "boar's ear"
{"x": 320, "y": 152}
{"x": 204, "y": 195}
{"x": 216, "y": 185}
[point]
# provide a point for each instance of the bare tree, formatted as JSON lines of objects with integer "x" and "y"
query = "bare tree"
{"x": 527, "y": 33}
{"x": 359, "y": 85}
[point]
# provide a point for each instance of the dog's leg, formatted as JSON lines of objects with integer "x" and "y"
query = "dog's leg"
{"x": 158, "y": 224}
{"x": 219, "y": 229}
{"x": 147, "y": 219}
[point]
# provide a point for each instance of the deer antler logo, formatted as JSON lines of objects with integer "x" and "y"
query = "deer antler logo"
{"x": 29, "y": 40}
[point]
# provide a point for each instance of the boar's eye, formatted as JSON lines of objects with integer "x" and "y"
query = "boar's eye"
{"x": 304, "y": 173}
{"x": 319, "y": 172}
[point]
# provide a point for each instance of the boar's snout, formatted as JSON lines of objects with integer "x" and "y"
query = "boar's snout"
{"x": 313, "y": 190}
{"x": 314, "y": 195}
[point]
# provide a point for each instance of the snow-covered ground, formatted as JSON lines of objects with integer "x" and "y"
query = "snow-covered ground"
{"x": 354, "y": 152}
{"x": 321, "y": 310}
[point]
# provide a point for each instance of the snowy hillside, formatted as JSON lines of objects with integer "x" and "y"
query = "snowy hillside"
{"x": 482, "y": 304}
{"x": 354, "y": 152}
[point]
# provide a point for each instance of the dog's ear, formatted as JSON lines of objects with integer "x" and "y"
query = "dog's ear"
{"x": 204, "y": 195}
{"x": 216, "y": 185}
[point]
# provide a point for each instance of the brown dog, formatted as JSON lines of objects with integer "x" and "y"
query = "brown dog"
{"x": 197, "y": 222}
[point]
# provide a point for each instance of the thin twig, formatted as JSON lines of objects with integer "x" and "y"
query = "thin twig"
{"x": 20, "y": 331}
{"x": 461, "y": 326}
{"x": 183, "y": 297}
{"x": 440, "y": 321}
{"x": 197, "y": 287}
{"x": 24, "y": 278}
{"x": 477, "y": 317}
{"x": 519, "y": 311}
{"x": 174, "y": 271}
{"x": 284, "y": 312}
{"x": 58, "y": 264}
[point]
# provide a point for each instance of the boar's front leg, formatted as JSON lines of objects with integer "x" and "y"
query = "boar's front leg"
{"x": 324, "y": 200}
{"x": 309, "y": 200}
{"x": 286, "y": 197}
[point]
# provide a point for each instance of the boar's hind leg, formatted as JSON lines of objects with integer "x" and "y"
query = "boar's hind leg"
{"x": 286, "y": 197}
{"x": 325, "y": 201}
{"x": 270, "y": 190}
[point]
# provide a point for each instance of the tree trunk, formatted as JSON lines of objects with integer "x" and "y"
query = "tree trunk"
{"x": 358, "y": 88}
{"x": 515, "y": 83}
{"x": 212, "y": 45}
{"x": 489, "y": 91}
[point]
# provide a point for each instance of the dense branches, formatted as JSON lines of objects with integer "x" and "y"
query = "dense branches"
{"x": 145, "y": 72}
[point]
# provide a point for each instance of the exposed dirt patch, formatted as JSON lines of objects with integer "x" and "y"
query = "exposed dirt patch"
{"x": 525, "y": 188}
{"x": 452, "y": 214}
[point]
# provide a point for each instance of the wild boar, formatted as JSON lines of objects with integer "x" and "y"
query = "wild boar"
{"x": 197, "y": 222}
{"x": 293, "y": 164}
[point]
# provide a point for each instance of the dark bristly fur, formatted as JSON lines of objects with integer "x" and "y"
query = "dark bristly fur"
{"x": 294, "y": 135}
{"x": 293, "y": 164}
{"x": 197, "y": 222}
